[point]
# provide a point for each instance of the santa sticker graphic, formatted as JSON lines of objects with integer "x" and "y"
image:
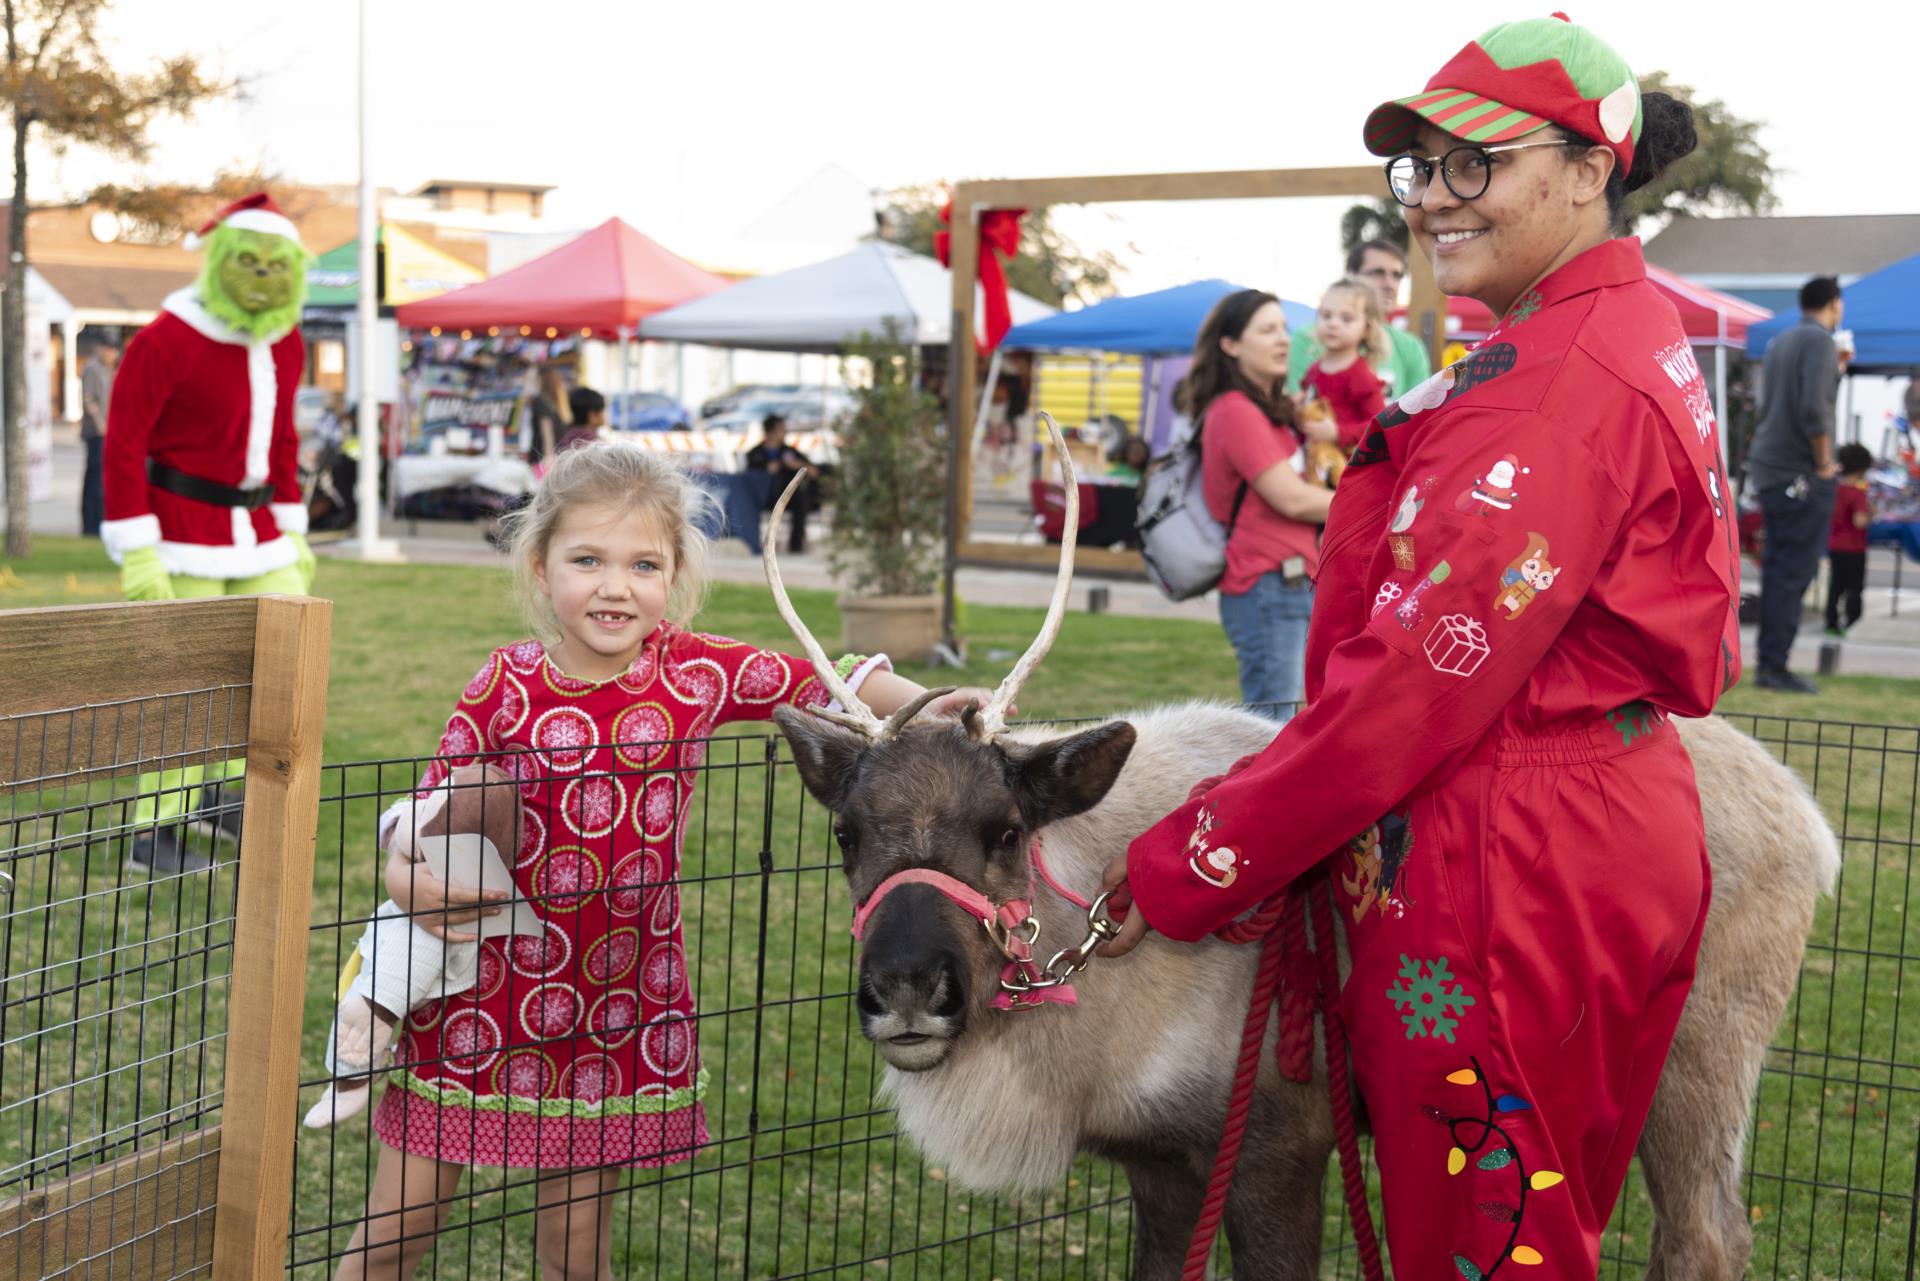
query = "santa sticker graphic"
{"x": 1218, "y": 866}
{"x": 1493, "y": 491}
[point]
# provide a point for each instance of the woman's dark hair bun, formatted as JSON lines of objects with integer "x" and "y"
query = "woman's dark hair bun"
{"x": 1666, "y": 135}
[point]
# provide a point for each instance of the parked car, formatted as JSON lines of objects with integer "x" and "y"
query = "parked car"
{"x": 730, "y": 401}
{"x": 646, "y": 411}
{"x": 309, "y": 406}
{"x": 802, "y": 411}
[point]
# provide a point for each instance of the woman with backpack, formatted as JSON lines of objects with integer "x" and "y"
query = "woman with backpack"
{"x": 1253, "y": 460}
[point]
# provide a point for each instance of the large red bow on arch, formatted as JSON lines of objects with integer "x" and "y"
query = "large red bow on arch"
{"x": 999, "y": 231}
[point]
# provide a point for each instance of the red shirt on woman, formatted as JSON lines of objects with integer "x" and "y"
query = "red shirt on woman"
{"x": 1239, "y": 442}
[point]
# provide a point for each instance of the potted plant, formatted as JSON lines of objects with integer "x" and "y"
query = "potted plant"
{"x": 889, "y": 511}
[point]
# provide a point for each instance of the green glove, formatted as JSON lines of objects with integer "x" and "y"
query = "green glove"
{"x": 304, "y": 559}
{"x": 143, "y": 577}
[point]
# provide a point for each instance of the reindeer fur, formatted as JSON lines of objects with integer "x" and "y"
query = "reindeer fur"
{"x": 1140, "y": 1071}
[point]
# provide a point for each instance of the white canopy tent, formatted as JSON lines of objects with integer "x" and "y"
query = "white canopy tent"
{"x": 824, "y": 306}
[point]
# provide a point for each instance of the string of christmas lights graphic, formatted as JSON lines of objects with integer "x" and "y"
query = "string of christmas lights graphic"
{"x": 1472, "y": 1134}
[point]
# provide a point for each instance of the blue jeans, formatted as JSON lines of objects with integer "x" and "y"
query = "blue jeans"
{"x": 1268, "y": 628}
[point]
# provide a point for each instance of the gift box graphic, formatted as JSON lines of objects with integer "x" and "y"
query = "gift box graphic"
{"x": 1457, "y": 645}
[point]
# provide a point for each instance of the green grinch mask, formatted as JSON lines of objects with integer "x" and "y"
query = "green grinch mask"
{"x": 254, "y": 282}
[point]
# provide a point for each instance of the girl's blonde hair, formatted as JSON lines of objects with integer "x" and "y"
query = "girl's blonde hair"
{"x": 1376, "y": 344}
{"x": 624, "y": 479}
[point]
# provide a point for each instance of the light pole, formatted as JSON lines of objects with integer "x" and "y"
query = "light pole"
{"x": 367, "y": 499}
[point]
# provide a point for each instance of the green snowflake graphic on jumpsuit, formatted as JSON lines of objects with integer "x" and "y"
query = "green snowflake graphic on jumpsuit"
{"x": 1430, "y": 1003}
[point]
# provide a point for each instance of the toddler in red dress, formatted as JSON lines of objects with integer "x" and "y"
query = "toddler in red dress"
{"x": 1341, "y": 388}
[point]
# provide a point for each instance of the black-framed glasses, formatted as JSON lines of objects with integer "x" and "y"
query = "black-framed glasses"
{"x": 1467, "y": 170}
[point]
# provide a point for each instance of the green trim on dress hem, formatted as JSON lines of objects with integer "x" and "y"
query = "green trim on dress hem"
{"x": 447, "y": 1095}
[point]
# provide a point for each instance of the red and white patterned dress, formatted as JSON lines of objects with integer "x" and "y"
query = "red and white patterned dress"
{"x": 580, "y": 1049}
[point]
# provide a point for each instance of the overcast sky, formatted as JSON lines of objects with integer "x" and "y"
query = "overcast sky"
{"x": 689, "y": 118}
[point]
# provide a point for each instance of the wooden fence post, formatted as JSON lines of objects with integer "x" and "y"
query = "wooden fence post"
{"x": 274, "y": 898}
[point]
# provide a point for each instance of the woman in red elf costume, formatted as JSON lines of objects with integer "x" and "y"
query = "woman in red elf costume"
{"x": 1523, "y": 571}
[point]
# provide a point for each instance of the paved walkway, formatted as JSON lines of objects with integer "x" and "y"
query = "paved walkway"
{"x": 1882, "y": 644}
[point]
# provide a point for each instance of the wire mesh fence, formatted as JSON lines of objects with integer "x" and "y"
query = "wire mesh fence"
{"x": 113, "y": 1031}
{"x": 115, "y": 972}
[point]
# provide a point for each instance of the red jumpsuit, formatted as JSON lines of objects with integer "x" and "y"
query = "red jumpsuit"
{"x": 1528, "y": 563}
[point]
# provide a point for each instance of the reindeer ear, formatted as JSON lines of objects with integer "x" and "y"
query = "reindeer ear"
{"x": 1069, "y": 775}
{"x": 825, "y": 752}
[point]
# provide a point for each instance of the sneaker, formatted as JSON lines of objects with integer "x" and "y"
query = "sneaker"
{"x": 1784, "y": 681}
{"x": 164, "y": 853}
{"x": 219, "y": 814}
{"x": 1836, "y": 633}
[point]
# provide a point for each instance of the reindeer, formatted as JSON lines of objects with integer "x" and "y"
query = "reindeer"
{"x": 939, "y": 824}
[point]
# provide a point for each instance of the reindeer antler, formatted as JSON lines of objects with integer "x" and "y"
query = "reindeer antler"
{"x": 858, "y": 716}
{"x": 988, "y": 722}
{"x": 992, "y": 720}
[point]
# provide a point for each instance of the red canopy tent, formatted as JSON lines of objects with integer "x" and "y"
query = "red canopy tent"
{"x": 604, "y": 282}
{"x": 1708, "y": 316}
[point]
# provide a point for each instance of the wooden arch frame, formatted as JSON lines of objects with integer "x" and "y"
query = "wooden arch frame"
{"x": 1426, "y": 317}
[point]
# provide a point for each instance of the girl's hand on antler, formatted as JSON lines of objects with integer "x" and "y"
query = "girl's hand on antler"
{"x": 950, "y": 704}
{"x": 886, "y": 693}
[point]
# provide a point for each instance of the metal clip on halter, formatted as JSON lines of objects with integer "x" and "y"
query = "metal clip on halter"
{"x": 1067, "y": 962}
{"x": 1004, "y": 937}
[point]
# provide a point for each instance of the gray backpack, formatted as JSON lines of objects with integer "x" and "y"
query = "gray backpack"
{"x": 1184, "y": 546}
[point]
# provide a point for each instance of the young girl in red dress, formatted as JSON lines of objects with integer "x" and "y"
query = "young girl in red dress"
{"x": 576, "y": 1054}
{"x": 1353, "y": 336}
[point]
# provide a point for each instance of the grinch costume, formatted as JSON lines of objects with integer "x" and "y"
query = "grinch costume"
{"x": 202, "y": 486}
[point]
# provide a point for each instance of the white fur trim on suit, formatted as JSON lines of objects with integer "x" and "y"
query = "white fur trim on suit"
{"x": 266, "y": 221}
{"x": 129, "y": 535}
{"x": 198, "y": 560}
{"x": 878, "y": 663}
{"x": 291, "y": 517}
{"x": 185, "y": 303}
{"x": 261, "y": 395}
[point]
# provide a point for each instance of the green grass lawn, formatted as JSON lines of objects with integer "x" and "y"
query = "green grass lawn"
{"x": 806, "y": 1175}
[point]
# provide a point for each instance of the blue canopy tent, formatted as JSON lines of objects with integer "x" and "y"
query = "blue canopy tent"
{"x": 1163, "y": 323}
{"x": 1161, "y": 326}
{"x": 1883, "y": 311}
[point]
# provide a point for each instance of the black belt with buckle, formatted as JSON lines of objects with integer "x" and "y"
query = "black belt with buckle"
{"x": 207, "y": 491}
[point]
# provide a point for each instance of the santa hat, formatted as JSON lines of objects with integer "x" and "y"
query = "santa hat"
{"x": 249, "y": 213}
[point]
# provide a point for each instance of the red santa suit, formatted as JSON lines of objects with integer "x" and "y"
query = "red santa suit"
{"x": 196, "y": 396}
{"x": 1519, "y": 843}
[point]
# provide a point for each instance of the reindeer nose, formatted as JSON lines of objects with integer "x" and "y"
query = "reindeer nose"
{"x": 911, "y": 967}
{"x": 929, "y": 983}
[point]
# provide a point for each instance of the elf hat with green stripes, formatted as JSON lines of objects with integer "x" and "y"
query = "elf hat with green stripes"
{"x": 1516, "y": 78}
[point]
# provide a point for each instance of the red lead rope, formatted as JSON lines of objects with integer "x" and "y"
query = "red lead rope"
{"x": 1280, "y": 928}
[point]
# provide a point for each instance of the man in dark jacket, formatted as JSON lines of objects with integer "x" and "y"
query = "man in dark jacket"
{"x": 96, "y": 392}
{"x": 1790, "y": 467}
{"x": 783, "y": 462}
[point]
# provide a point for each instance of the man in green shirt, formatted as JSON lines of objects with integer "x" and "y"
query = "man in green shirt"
{"x": 1383, "y": 265}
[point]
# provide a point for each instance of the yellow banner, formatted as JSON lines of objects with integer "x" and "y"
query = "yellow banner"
{"x": 416, "y": 270}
